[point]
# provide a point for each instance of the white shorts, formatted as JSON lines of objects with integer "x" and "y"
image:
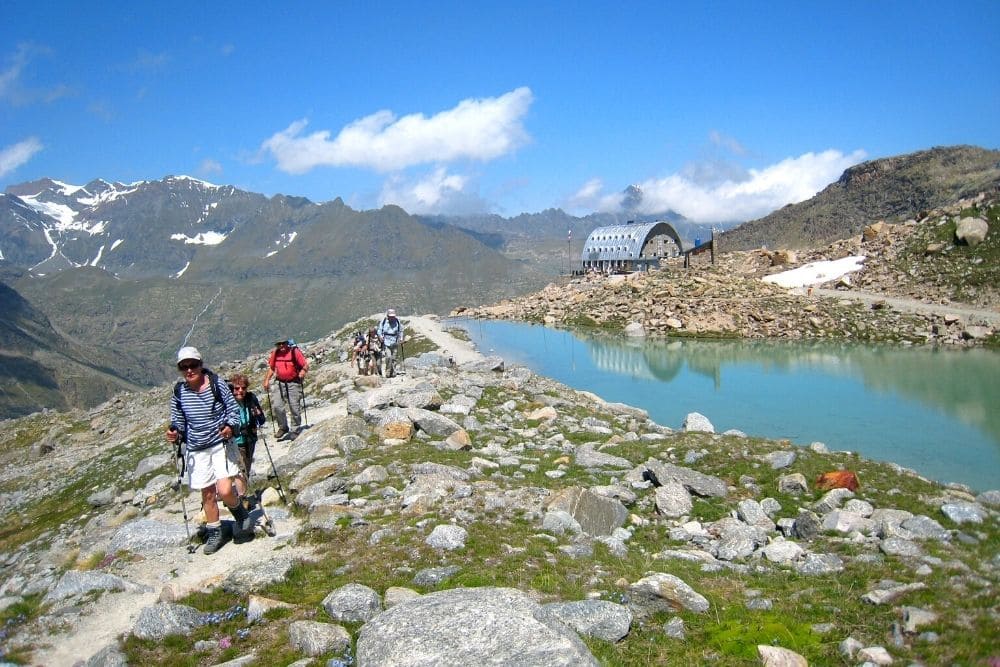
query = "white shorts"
{"x": 207, "y": 466}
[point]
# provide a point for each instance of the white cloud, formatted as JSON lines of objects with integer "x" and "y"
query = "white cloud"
{"x": 729, "y": 143}
{"x": 209, "y": 166}
{"x": 475, "y": 129}
{"x": 14, "y": 156}
{"x": 14, "y": 92}
{"x": 718, "y": 192}
{"x": 146, "y": 61}
{"x": 436, "y": 192}
{"x": 589, "y": 198}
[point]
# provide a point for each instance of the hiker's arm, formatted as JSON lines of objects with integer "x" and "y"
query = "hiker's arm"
{"x": 304, "y": 364}
{"x": 177, "y": 421}
{"x": 267, "y": 378}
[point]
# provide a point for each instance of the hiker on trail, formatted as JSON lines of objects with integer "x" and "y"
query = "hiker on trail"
{"x": 288, "y": 365}
{"x": 390, "y": 330}
{"x": 251, "y": 417}
{"x": 371, "y": 353}
{"x": 357, "y": 347}
{"x": 204, "y": 416}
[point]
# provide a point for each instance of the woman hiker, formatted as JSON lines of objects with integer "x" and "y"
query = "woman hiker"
{"x": 203, "y": 419}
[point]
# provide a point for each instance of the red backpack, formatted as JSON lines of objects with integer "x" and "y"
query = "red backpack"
{"x": 287, "y": 366}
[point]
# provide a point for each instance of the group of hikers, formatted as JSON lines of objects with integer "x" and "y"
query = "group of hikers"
{"x": 380, "y": 350}
{"x": 214, "y": 427}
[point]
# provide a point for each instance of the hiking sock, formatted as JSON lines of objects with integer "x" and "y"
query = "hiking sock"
{"x": 243, "y": 521}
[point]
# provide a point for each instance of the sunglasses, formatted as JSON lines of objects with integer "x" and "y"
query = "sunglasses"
{"x": 239, "y": 388}
{"x": 189, "y": 365}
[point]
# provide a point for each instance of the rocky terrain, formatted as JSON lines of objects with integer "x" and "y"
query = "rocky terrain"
{"x": 470, "y": 513}
{"x": 897, "y": 187}
{"x": 920, "y": 283}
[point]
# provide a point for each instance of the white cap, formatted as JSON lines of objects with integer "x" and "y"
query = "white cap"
{"x": 391, "y": 312}
{"x": 188, "y": 353}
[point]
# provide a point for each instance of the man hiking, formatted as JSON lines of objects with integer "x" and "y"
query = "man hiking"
{"x": 203, "y": 418}
{"x": 289, "y": 366}
{"x": 390, "y": 330}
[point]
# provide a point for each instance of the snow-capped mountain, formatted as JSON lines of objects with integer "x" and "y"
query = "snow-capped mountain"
{"x": 147, "y": 228}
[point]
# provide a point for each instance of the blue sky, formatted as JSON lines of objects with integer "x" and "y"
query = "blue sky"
{"x": 718, "y": 110}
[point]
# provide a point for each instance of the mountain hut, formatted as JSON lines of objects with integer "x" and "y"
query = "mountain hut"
{"x": 629, "y": 247}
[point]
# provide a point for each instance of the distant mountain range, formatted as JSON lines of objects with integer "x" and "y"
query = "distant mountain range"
{"x": 893, "y": 188}
{"x": 103, "y": 282}
{"x": 138, "y": 269}
{"x": 132, "y": 271}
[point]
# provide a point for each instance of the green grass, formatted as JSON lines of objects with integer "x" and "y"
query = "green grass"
{"x": 505, "y": 547}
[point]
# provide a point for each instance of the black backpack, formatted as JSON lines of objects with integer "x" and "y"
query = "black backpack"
{"x": 216, "y": 392}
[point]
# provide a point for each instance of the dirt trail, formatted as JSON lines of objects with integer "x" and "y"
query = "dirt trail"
{"x": 907, "y": 305}
{"x": 173, "y": 573}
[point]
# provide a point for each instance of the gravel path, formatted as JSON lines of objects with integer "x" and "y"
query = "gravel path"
{"x": 174, "y": 573}
{"x": 905, "y": 305}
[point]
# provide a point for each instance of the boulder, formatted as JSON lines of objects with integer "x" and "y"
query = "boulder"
{"x": 463, "y": 626}
{"x": 597, "y": 515}
{"x": 971, "y": 231}
{"x": 314, "y": 638}
{"x": 592, "y": 618}
{"x": 164, "y": 619}
{"x": 353, "y": 603}
{"x": 665, "y": 592}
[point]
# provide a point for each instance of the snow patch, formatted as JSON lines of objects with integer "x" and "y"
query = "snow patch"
{"x": 284, "y": 241}
{"x": 815, "y": 273}
{"x": 62, "y": 214}
{"x": 181, "y": 272}
{"x": 65, "y": 188}
{"x": 116, "y": 244}
{"x": 108, "y": 195}
{"x": 197, "y": 181}
{"x": 205, "y": 238}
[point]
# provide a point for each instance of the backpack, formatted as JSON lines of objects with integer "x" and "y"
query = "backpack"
{"x": 296, "y": 354}
{"x": 394, "y": 331}
{"x": 213, "y": 380}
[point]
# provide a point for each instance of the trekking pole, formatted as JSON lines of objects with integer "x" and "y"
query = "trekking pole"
{"x": 281, "y": 491}
{"x": 302, "y": 403}
{"x": 181, "y": 466}
{"x": 270, "y": 412}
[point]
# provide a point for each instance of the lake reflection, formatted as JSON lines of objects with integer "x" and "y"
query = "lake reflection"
{"x": 928, "y": 409}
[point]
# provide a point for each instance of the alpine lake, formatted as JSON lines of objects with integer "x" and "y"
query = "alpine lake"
{"x": 936, "y": 411}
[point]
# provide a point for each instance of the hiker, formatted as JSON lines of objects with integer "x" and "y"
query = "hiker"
{"x": 390, "y": 330}
{"x": 357, "y": 347}
{"x": 372, "y": 352}
{"x": 251, "y": 417}
{"x": 203, "y": 419}
{"x": 288, "y": 365}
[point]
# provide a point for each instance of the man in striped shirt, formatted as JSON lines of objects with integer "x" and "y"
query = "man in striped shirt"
{"x": 203, "y": 417}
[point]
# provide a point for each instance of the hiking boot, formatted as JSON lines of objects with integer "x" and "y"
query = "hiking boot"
{"x": 283, "y": 435}
{"x": 213, "y": 540}
{"x": 243, "y": 523}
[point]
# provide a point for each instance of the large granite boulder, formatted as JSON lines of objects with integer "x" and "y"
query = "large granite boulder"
{"x": 469, "y": 626}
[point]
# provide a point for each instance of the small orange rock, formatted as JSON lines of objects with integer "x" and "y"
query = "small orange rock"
{"x": 838, "y": 479}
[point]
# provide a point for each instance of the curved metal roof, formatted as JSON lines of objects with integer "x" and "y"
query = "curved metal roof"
{"x": 623, "y": 242}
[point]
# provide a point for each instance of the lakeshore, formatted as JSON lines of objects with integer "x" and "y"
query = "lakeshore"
{"x": 427, "y": 506}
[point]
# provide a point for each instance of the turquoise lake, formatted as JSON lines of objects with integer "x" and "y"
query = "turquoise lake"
{"x": 936, "y": 411}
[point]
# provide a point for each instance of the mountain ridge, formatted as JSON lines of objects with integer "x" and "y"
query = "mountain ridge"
{"x": 892, "y": 188}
